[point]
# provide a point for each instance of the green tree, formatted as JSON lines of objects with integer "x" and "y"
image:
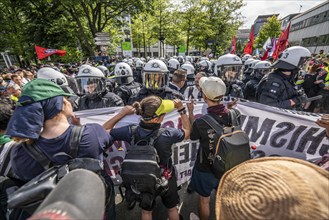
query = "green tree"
{"x": 272, "y": 28}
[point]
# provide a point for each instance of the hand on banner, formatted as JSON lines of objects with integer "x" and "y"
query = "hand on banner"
{"x": 75, "y": 120}
{"x": 127, "y": 110}
{"x": 178, "y": 104}
{"x": 324, "y": 122}
{"x": 190, "y": 106}
{"x": 231, "y": 104}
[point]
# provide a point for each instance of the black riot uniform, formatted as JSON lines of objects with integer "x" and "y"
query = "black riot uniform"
{"x": 276, "y": 89}
{"x": 125, "y": 91}
{"x": 107, "y": 99}
{"x": 166, "y": 93}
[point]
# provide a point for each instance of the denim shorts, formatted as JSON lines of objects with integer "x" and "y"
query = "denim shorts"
{"x": 203, "y": 182}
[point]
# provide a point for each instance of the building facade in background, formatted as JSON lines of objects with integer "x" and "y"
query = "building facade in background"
{"x": 311, "y": 29}
{"x": 260, "y": 21}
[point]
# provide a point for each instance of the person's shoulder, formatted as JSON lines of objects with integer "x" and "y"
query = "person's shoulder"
{"x": 93, "y": 128}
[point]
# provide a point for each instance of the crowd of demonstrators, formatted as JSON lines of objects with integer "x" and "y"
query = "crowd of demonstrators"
{"x": 45, "y": 108}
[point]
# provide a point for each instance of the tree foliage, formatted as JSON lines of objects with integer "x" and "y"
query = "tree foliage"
{"x": 72, "y": 24}
{"x": 272, "y": 28}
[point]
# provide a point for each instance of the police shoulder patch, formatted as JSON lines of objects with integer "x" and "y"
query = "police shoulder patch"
{"x": 275, "y": 84}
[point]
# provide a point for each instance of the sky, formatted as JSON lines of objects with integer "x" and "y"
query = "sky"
{"x": 253, "y": 8}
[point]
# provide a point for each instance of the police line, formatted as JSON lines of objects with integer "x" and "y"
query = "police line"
{"x": 272, "y": 132}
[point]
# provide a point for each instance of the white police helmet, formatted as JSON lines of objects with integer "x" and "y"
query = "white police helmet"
{"x": 262, "y": 68}
{"x": 173, "y": 64}
{"x": 189, "y": 68}
{"x": 229, "y": 67}
{"x": 52, "y": 75}
{"x": 246, "y": 57}
{"x": 104, "y": 69}
{"x": 292, "y": 58}
{"x": 139, "y": 64}
{"x": 91, "y": 82}
{"x": 155, "y": 75}
{"x": 123, "y": 73}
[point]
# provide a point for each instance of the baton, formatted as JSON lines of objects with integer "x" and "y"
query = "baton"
{"x": 314, "y": 98}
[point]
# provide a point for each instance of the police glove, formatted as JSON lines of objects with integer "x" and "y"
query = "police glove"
{"x": 299, "y": 100}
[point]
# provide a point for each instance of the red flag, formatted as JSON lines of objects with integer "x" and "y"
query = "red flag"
{"x": 282, "y": 42}
{"x": 233, "y": 48}
{"x": 44, "y": 52}
{"x": 266, "y": 54}
{"x": 248, "y": 48}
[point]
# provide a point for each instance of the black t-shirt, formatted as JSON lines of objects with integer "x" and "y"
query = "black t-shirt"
{"x": 200, "y": 132}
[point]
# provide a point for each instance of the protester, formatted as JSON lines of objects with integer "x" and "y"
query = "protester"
{"x": 14, "y": 91}
{"x": 178, "y": 80}
{"x": 153, "y": 110}
{"x": 194, "y": 92}
{"x": 42, "y": 120}
{"x": 203, "y": 181}
{"x": 273, "y": 188}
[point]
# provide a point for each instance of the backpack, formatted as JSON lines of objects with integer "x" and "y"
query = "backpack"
{"x": 140, "y": 171}
{"x": 231, "y": 144}
{"x": 33, "y": 192}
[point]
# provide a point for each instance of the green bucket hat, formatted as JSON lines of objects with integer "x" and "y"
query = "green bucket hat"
{"x": 40, "y": 89}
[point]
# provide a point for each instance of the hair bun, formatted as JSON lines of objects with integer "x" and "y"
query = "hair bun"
{"x": 138, "y": 108}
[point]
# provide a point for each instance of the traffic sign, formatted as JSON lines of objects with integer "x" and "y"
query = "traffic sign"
{"x": 102, "y": 38}
{"x": 102, "y": 34}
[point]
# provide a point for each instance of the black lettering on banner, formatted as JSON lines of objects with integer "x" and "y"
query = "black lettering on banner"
{"x": 295, "y": 137}
{"x": 324, "y": 149}
{"x": 309, "y": 136}
{"x": 316, "y": 143}
{"x": 274, "y": 137}
{"x": 175, "y": 154}
{"x": 185, "y": 153}
{"x": 252, "y": 126}
{"x": 242, "y": 119}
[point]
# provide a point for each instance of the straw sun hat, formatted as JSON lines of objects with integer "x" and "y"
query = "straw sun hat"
{"x": 274, "y": 188}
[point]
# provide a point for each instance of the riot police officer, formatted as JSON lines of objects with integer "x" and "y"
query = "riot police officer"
{"x": 228, "y": 68}
{"x": 260, "y": 70}
{"x": 173, "y": 65}
{"x": 125, "y": 81}
{"x": 92, "y": 89}
{"x": 277, "y": 89}
{"x": 139, "y": 65}
{"x": 247, "y": 70}
{"x": 155, "y": 82}
{"x": 189, "y": 68}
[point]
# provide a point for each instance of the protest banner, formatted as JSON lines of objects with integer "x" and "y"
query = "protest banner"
{"x": 273, "y": 131}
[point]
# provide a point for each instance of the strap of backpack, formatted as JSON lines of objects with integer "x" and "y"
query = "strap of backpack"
{"x": 133, "y": 129}
{"x": 34, "y": 151}
{"x": 76, "y": 134}
{"x": 233, "y": 119}
{"x": 215, "y": 125}
{"x": 156, "y": 135}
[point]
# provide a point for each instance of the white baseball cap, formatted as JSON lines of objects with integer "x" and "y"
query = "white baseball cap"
{"x": 212, "y": 87}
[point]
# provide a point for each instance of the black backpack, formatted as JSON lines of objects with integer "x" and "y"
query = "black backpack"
{"x": 229, "y": 145}
{"x": 140, "y": 171}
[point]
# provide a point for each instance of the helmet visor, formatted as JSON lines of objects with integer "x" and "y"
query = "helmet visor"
{"x": 264, "y": 71}
{"x": 90, "y": 85}
{"x": 154, "y": 81}
{"x": 302, "y": 62}
{"x": 230, "y": 73}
